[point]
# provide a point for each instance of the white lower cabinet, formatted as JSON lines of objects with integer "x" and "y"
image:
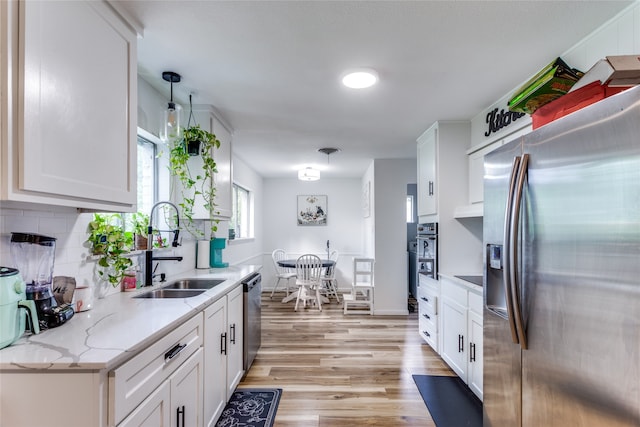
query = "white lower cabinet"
{"x": 137, "y": 394}
{"x": 475, "y": 353}
{"x": 428, "y": 311}
{"x": 153, "y": 412}
{"x": 175, "y": 403}
{"x": 462, "y": 332}
{"x": 454, "y": 328}
{"x": 223, "y": 352}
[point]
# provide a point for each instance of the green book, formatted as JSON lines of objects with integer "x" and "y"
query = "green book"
{"x": 548, "y": 84}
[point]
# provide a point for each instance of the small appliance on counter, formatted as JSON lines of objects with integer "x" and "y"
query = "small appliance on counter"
{"x": 34, "y": 255}
{"x": 14, "y": 307}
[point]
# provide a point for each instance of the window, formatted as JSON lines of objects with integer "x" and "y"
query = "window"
{"x": 147, "y": 182}
{"x": 241, "y": 219}
{"x": 410, "y": 209}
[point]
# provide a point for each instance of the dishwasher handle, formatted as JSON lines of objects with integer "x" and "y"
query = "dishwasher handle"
{"x": 251, "y": 281}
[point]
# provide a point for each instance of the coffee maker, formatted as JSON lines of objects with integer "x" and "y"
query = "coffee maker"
{"x": 34, "y": 255}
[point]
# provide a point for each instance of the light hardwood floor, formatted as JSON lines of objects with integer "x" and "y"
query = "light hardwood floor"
{"x": 338, "y": 370}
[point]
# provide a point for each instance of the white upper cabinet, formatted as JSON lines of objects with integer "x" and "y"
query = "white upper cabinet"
{"x": 442, "y": 171}
{"x": 224, "y": 178}
{"x": 427, "y": 200}
{"x": 69, "y": 108}
{"x": 205, "y": 117}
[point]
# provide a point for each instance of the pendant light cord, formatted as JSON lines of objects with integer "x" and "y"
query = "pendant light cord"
{"x": 190, "y": 113}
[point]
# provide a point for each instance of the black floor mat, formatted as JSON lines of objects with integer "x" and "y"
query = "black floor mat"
{"x": 449, "y": 400}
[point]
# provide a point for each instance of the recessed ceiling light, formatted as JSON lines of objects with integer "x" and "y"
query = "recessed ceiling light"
{"x": 360, "y": 78}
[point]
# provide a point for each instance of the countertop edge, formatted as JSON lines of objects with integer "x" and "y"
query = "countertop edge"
{"x": 464, "y": 283}
{"x": 101, "y": 339}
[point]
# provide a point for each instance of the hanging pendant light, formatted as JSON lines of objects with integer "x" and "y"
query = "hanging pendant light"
{"x": 171, "y": 127}
{"x": 308, "y": 174}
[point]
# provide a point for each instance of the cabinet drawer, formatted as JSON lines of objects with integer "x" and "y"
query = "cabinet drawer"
{"x": 428, "y": 321}
{"x": 430, "y": 336}
{"x": 427, "y": 301}
{"x": 476, "y": 302}
{"x": 132, "y": 382}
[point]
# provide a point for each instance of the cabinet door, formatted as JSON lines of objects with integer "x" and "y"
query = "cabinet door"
{"x": 154, "y": 411}
{"x": 454, "y": 327}
{"x": 215, "y": 360}
{"x": 76, "y": 128}
{"x": 224, "y": 178}
{"x": 234, "y": 359}
{"x": 186, "y": 393}
{"x": 475, "y": 353}
{"x": 476, "y": 172}
{"x": 427, "y": 186}
{"x": 221, "y": 179}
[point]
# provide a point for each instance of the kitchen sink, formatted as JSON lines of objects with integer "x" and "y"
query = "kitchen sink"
{"x": 194, "y": 284}
{"x": 171, "y": 293}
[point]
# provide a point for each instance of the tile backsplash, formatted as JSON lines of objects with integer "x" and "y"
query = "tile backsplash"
{"x": 73, "y": 254}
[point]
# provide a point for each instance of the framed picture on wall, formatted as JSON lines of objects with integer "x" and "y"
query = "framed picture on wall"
{"x": 312, "y": 210}
{"x": 366, "y": 199}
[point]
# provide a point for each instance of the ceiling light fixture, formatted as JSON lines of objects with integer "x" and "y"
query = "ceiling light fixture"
{"x": 328, "y": 151}
{"x": 308, "y": 174}
{"x": 170, "y": 128}
{"x": 360, "y": 78}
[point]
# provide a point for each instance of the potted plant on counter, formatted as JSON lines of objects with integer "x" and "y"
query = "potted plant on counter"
{"x": 140, "y": 223}
{"x": 110, "y": 243}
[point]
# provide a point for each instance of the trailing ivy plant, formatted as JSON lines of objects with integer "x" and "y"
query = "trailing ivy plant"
{"x": 200, "y": 183}
{"x": 111, "y": 243}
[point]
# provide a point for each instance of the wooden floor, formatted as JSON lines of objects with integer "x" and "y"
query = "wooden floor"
{"x": 338, "y": 370}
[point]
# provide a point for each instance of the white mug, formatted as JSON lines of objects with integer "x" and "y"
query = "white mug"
{"x": 82, "y": 299}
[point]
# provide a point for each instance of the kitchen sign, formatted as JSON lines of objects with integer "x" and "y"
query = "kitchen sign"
{"x": 498, "y": 120}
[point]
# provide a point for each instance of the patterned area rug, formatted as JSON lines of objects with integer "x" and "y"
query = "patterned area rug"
{"x": 251, "y": 407}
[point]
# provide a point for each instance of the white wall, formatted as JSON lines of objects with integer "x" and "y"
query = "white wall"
{"x": 391, "y": 177}
{"x": 246, "y": 251}
{"x": 343, "y": 229}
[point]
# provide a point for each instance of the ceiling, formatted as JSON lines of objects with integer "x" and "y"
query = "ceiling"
{"x": 272, "y": 68}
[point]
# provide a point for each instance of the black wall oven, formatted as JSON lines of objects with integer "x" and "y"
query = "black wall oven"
{"x": 427, "y": 250}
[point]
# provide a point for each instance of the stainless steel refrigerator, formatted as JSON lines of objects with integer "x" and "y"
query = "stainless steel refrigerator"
{"x": 562, "y": 272}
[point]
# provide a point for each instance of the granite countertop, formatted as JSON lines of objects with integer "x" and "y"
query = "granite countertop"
{"x": 117, "y": 328}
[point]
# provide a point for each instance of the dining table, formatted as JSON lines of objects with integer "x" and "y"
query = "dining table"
{"x": 291, "y": 263}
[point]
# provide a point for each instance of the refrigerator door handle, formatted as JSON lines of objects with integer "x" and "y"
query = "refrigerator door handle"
{"x": 513, "y": 253}
{"x": 506, "y": 271}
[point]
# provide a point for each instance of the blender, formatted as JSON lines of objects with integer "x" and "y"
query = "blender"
{"x": 34, "y": 255}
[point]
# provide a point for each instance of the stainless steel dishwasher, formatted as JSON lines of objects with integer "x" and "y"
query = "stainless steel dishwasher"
{"x": 252, "y": 287}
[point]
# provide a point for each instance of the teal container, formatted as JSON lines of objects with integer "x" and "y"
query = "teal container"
{"x": 216, "y": 245}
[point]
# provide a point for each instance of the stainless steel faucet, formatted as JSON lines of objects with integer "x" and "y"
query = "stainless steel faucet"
{"x": 148, "y": 255}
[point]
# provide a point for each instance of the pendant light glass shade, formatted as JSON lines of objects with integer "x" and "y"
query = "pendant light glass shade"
{"x": 171, "y": 127}
{"x": 172, "y": 123}
{"x": 308, "y": 174}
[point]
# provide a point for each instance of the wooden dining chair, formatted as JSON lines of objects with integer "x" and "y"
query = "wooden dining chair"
{"x": 308, "y": 279}
{"x": 281, "y": 272}
{"x": 329, "y": 281}
{"x": 362, "y": 287}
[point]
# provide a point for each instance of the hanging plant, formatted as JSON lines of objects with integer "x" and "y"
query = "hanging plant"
{"x": 200, "y": 184}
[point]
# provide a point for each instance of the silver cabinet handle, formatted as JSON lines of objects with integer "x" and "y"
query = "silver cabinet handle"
{"x": 506, "y": 271}
{"x": 515, "y": 277}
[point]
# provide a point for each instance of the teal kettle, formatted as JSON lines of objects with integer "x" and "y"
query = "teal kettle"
{"x": 14, "y": 307}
